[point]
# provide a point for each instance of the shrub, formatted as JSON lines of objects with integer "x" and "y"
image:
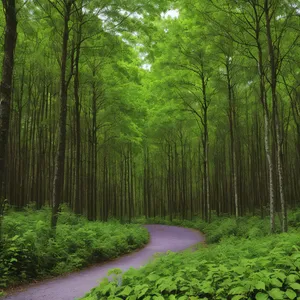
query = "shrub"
{"x": 30, "y": 251}
{"x": 261, "y": 268}
{"x": 242, "y": 261}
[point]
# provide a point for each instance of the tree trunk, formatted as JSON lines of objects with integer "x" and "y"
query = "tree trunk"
{"x": 60, "y": 156}
{"x": 205, "y": 150}
{"x": 232, "y": 121}
{"x": 10, "y": 38}
{"x": 273, "y": 70}
{"x": 78, "y": 125}
{"x": 263, "y": 100}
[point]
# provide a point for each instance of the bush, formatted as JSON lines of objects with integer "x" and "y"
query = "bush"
{"x": 220, "y": 227}
{"x": 29, "y": 250}
{"x": 261, "y": 268}
{"x": 242, "y": 262}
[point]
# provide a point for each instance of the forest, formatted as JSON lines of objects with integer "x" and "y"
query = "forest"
{"x": 125, "y": 122}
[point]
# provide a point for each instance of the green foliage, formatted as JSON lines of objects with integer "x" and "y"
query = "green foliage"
{"x": 30, "y": 250}
{"x": 243, "y": 262}
{"x": 224, "y": 226}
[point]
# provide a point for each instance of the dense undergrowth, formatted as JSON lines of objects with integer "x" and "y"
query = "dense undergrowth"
{"x": 242, "y": 261}
{"x": 30, "y": 251}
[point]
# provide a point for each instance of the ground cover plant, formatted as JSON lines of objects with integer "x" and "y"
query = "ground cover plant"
{"x": 241, "y": 261}
{"x": 29, "y": 249}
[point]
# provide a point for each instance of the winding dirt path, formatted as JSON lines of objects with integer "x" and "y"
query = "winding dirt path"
{"x": 76, "y": 285}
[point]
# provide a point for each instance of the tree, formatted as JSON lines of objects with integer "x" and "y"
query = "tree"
{"x": 10, "y": 38}
{"x": 159, "y": 114}
{"x": 64, "y": 83}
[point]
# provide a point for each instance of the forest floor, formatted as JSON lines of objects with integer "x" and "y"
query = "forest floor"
{"x": 163, "y": 238}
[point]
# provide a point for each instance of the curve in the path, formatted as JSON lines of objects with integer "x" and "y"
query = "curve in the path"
{"x": 76, "y": 285}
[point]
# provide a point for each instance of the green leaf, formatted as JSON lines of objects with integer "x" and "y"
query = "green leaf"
{"x": 143, "y": 292}
{"x": 153, "y": 277}
{"x": 292, "y": 278}
{"x": 276, "y": 294}
{"x": 295, "y": 286}
{"x": 261, "y": 296}
{"x": 280, "y": 275}
{"x": 12, "y": 249}
{"x": 115, "y": 271}
{"x": 260, "y": 285}
{"x": 15, "y": 237}
{"x": 276, "y": 282}
{"x": 238, "y": 290}
{"x": 105, "y": 289}
{"x": 126, "y": 292}
{"x": 239, "y": 270}
{"x": 238, "y": 297}
{"x": 291, "y": 294}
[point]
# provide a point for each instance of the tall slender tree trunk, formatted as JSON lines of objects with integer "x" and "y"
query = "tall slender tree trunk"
{"x": 60, "y": 156}
{"x": 10, "y": 39}
{"x": 95, "y": 151}
{"x": 205, "y": 148}
{"x": 232, "y": 123}
{"x": 278, "y": 152}
{"x": 263, "y": 100}
{"x": 78, "y": 125}
{"x": 145, "y": 192}
{"x": 270, "y": 166}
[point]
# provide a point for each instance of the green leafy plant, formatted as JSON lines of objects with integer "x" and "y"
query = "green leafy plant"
{"x": 242, "y": 261}
{"x": 30, "y": 251}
